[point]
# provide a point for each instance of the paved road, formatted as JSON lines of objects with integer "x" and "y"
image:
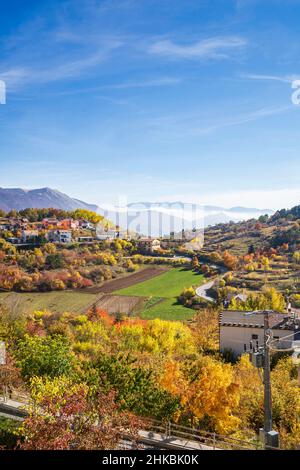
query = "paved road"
{"x": 201, "y": 291}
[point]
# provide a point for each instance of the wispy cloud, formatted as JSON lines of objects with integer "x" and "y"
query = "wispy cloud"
{"x": 243, "y": 119}
{"x": 184, "y": 125}
{"x": 277, "y": 78}
{"x": 213, "y": 48}
{"x": 61, "y": 69}
{"x": 164, "y": 81}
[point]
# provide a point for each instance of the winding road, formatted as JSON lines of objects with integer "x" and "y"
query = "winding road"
{"x": 201, "y": 291}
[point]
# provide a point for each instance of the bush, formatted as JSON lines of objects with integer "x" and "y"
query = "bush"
{"x": 8, "y": 433}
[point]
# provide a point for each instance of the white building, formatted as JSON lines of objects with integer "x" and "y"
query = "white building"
{"x": 60, "y": 236}
{"x": 29, "y": 236}
{"x": 238, "y": 328}
{"x": 149, "y": 244}
{"x": 105, "y": 233}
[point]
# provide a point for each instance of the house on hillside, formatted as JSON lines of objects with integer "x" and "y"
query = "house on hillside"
{"x": 59, "y": 236}
{"x": 29, "y": 236}
{"x": 68, "y": 224}
{"x": 237, "y": 328}
{"x": 238, "y": 298}
{"x": 13, "y": 223}
{"x": 150, "y": 245}
{"x": 5, "y": 224}
{"x": 110, "y": 234}
{"x": 50, "y": 222}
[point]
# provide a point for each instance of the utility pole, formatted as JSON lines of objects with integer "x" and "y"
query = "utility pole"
{"x": 267, "y": 378}
{"x": 260, "y": 357}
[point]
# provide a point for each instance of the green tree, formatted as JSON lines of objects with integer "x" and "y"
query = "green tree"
{"x": 136, "y": 387}
{"x": 44, "y": 356}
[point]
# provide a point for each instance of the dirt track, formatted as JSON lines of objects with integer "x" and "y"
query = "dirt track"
{"x": 127, "y": 281}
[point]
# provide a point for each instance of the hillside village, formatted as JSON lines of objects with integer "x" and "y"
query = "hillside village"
{"x": 100, "y": 302}
{"x": 81, "y": 226}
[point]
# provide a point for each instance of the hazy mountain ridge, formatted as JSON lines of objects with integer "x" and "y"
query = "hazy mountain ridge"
{"x": 182, "y": 213}
{"x": 17, "y": 198}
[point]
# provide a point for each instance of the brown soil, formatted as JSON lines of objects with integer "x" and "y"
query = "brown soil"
{"x": 120, "y": 304}
{"x": 127, "y": 281}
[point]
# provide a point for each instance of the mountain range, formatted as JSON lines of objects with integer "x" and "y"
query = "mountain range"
{"x": 182, "y": 214}
{"x": 17, "y": 198}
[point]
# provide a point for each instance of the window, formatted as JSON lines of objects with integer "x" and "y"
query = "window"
{"x": 254, "y": 337}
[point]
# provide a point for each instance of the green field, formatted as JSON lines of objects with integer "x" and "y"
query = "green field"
{"x": 168, "y": 309}
{"x": 161, "y": 292}
{"x": 56, "y": 301}
{"x": 168, "y": 285}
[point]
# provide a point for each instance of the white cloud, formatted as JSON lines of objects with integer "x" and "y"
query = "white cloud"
{"x": 164, "y": 81}
{"x": 243, "y": 119}
{"x": 208, "y": 48}
{"x": 17, "y": 77}
{"x": 277, "y": 78}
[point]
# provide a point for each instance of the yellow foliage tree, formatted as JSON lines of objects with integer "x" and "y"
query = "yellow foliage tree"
{"x": 209, "y": 396}
{"x": 156, "y": 336}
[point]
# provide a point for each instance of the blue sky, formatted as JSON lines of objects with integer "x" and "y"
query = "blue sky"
{"x": 152, "y": 99}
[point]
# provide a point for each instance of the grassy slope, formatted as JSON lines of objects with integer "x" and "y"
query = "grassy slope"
{"x": 168, "y": 309}
{"x": 167, "y": 286}
{"x": 61, "y": 301}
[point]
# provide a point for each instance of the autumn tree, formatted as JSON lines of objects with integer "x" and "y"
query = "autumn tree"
{"x": 136, "y": 386}
{"x": 230, "y": 261}
{"x": 250, "y": 406}
{"x": 286, "y": 403}
{"x": 208, "y": 394}
{"x": 195, "y": 263}
{"x": 206, "y": 330}
{"x": 85, "y": 214}
{"x": 296, "y": 257}
{"x": 64, "y": 418}
{"x": 155, "y": 337}
{"x": 10, "y": 375}
{"x": 44, "y": 356}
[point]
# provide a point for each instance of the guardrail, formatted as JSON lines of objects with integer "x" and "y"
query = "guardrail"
{"x": 167, "y": 431}
{"x": 216, "y": 441}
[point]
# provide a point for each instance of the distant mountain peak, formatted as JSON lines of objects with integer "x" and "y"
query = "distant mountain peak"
{"x": 18, "y": 198}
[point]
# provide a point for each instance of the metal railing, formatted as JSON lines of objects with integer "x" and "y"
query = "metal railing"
{"x": 172, "y": 431}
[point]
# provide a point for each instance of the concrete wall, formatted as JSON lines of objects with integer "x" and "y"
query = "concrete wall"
{"x": 234, "y": 337}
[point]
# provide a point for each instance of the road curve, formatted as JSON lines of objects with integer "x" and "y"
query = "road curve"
{"x": 201, "y": 291}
